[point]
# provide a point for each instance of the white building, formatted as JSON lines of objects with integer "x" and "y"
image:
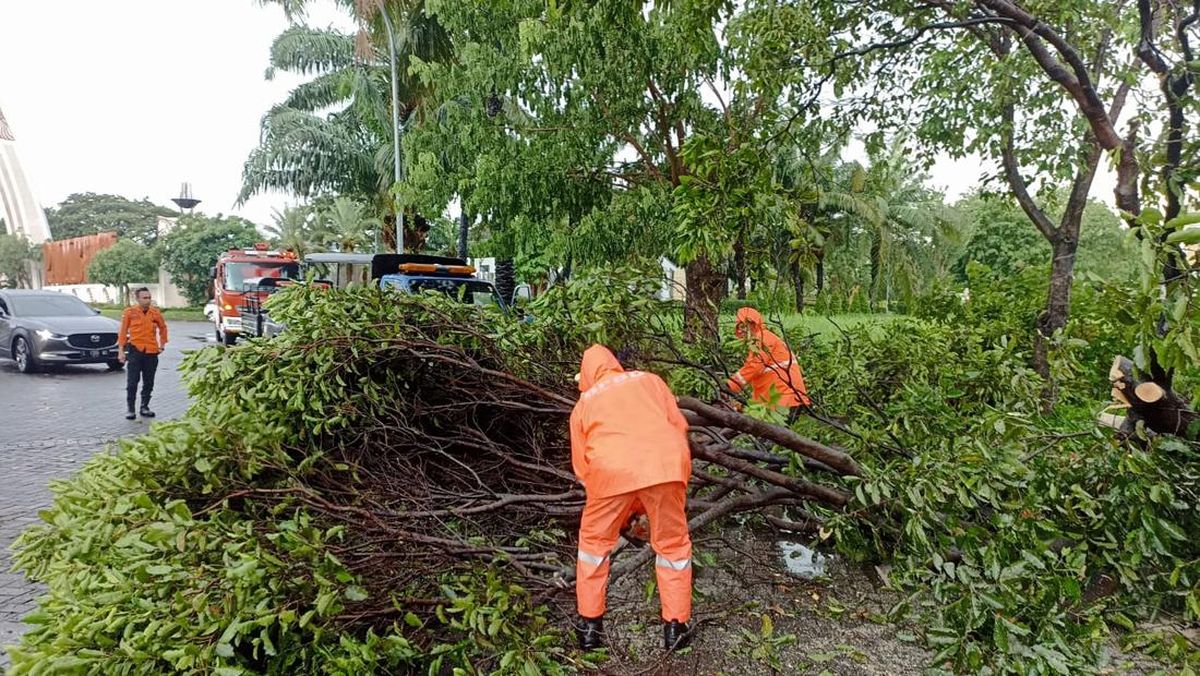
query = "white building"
{"x": 21, "y": 212}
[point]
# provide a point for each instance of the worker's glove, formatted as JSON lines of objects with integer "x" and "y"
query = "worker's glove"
{"x": 637, "y": 531}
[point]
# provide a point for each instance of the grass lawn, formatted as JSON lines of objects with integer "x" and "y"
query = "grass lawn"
{"x": 186, "y": 314}
{"x": 798, "y": 326}
{"x": 826, "y": 328}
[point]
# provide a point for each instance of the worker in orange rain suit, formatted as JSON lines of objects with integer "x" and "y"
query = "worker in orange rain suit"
{"x": 771, "y": 370}
{"x": 629, "y": 448}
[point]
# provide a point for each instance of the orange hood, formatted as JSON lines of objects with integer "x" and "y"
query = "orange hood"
{"x": 750, "y": 318}
{"x": 598, "y": 363}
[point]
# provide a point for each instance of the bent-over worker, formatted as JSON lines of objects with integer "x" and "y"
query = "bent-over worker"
{"x": 629, "y": 448}
{"x": 771, "y": 371}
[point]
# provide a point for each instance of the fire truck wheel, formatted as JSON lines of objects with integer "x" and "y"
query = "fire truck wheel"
{"x": 229, "y": 338}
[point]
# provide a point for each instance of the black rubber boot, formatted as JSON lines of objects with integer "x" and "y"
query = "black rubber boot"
{"x": 146, "y": 412}
{"x": 676, "y": 635}
{"x": 590, "y": 633}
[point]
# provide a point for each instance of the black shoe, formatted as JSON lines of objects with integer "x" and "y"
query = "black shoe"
{"x": 590, "y": 633}
{"x": 130, "y": 415}
{"x": 676, "y": 635}
{"x": 146, "y": 412}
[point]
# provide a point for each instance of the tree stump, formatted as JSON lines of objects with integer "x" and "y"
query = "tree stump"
{"x": 1160, "y": 408}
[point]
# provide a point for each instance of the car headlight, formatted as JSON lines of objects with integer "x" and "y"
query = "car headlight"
{"x": 47, "y": 334}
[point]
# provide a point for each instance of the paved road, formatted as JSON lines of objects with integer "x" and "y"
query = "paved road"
{"x": 50, "y": 424}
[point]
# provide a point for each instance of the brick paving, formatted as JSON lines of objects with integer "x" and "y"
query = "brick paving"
{"x": 50, "y": 424}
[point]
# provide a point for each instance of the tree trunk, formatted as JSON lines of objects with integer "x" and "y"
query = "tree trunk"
{"x": 1058, "y": 306}
{"x": 876, "y": 264}
{"x": 704, "y": 291}
{"x": 798, "y": 284}
{"x": 820, "y": 271}
{"x": 739, "y": 266}
{"x": 389, "y": 232}
{"x": 416, "y": 231}
{"x": 506, "y": 279}
{"x": 464, "y": 229}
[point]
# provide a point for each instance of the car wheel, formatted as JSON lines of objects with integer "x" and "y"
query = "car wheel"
{"x": 23, "y": 355}
{"x": 115, "y": 365}
{"x": 229, "y": 338}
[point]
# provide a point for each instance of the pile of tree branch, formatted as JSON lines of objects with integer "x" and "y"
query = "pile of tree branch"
{"x": 468, "y": 463}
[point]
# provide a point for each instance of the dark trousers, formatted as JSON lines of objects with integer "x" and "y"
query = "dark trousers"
{"x": 139, "y": 366}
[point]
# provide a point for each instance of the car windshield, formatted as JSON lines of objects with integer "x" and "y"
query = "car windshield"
{"x": 471, "y": 292}
{"x": 48, "y": 305}
{"x": 237, "y": 273}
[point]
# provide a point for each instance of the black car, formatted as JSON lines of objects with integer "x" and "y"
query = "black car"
{"x": 48, "y": 328}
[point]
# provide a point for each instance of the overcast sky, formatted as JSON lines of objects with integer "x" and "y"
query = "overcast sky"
{"x": 134, "y": 97}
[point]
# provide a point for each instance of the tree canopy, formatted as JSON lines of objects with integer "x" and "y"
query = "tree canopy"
{"x": 90, "y": 213}
{"x": 123, "y": 264}
{"x": 191, "y": 249}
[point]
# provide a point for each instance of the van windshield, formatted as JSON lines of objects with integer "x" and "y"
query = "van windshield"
{"x": 470, "y": 291}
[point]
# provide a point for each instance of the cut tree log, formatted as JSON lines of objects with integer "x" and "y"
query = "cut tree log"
{"x": 839, "y": 461}
{"x": 1159, "y": 408}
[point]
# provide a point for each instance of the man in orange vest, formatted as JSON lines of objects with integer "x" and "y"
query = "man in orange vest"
{"x": 629, "y": 448}
{"x": 771, "y": 371}
{"x": 144, "y": 331}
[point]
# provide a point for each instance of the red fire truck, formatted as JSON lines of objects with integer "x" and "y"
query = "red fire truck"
{"x": 234, "y": 269}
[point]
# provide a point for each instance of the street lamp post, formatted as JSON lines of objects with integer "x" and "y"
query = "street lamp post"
{"x": 391, "y": 35}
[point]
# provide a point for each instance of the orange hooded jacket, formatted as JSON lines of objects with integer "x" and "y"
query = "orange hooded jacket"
{"x": 626, "y": 430}
{"x": 770, "y": 365}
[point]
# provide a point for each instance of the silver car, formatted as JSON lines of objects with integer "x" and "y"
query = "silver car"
{"x": 45, "y": 328}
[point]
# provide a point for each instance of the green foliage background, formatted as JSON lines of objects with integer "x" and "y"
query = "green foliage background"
{"x": 190, "y": 250}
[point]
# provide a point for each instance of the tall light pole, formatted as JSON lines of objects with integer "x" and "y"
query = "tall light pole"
{"x": 391, "y": 36}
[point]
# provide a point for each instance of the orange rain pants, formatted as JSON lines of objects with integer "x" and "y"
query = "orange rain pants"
{"x": 665, "y": 507}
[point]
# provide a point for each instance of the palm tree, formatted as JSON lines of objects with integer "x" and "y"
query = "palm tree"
{"x": 815, "y": 186}
{"x": 293, "y": 229}
{"x": 346, "y": 225}
{"x": 333, "y": 134}
{"x": 905, "y": 222}
{"x": 305, "y": 150}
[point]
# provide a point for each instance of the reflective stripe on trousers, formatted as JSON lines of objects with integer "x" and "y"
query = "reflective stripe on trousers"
{"x": 592, "y": 558}
{"x": 599, "y": 530}
{"x": 663, "y": 562}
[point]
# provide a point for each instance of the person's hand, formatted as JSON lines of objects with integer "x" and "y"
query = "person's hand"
{"x": 121, "y": 356}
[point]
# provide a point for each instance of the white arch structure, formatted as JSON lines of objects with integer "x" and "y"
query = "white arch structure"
{"x": 20, "y": 210}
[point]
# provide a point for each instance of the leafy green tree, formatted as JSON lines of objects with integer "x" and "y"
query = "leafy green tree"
{"x": 90, "y": 213}
{"x": 1039, "y": 140}
{"x": 17, "y": 254}
{"x": 123, "y": 264}
{"x": 586, "y": 111}
{"x": 1000, "y": 240}
{"x": 1105, "y": 245}
{"x": 191, "y": 249}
